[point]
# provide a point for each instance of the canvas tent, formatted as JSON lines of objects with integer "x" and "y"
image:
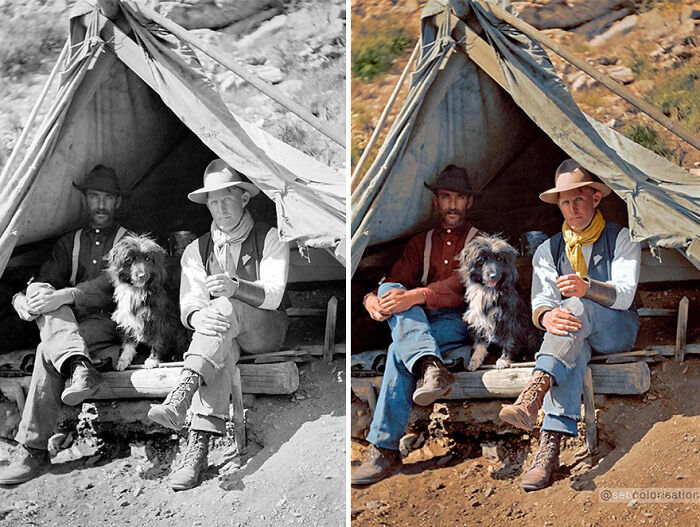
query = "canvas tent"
{"x": 133, "y": 96}
{"x": 485, "y": 96}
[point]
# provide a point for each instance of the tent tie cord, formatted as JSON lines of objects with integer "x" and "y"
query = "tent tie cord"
{"x": 90, "y": 45}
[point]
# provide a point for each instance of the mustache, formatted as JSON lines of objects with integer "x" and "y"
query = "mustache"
{"x": 450, "y": 211}
{"x": 100, "y": 211}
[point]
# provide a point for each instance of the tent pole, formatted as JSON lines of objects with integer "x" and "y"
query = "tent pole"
{"x": 604, "y": 79}
{"x": 33, "y": 113}
{"x": 249, "y": 77}
{"x": 356, "y": 175}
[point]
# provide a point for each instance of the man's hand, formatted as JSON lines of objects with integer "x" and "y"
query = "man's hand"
{"x": 221, "y": 285}
{"x": 372, "y": 307}
{"x": 209, "y": 322}
{"x": 46, "y": 299}
{"x": 560, "y": 321}
{"x": 22, "y": 307}
{"x": 400, "y": 300}
{"x": 572, "y": 285}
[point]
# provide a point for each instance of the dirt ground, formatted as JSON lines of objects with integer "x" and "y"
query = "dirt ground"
{"x": 646, "y": 441}
{"x": 292, "y": 474}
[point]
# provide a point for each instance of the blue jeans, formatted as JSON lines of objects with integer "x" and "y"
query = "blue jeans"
{"x": 415, "y": 333}
{"x": 604, "y": 330}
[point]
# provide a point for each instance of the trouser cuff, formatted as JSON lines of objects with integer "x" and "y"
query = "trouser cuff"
{"x": 208, "y": 423}
{"x": 415, "y": 360}
{"x": 560, "y": 423}
{"x": 65, "y": 359}
{"x": 201, "y": 366}
{"x": 553, "y": 366}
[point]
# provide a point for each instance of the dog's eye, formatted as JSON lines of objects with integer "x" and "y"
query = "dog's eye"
{"x": 128, "y": 259}
{"x": 147, "y": 258}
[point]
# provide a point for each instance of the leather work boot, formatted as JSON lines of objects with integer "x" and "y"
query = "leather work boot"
{"x": 84, "y": 382}
{"x": 523, "y": 413}
{"x": 435, "y": 382}
{"x": 545, "y": 464}
{"x": 379, "y": 464}
{"x": 172, "y": 412}
{"x": 33, "y": 463}
{"x": 193, "y": 464}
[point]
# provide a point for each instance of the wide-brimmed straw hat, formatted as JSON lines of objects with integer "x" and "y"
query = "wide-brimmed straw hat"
{"x": 102, "y": 179}
{"x": 452, "y": 178}
{"x": 218, "y": 176}
{"x": 571, "y": 175}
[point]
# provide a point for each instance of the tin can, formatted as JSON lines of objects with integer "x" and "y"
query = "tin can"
{"x": 178, "y": 240}
{"x": 530, "y": 241}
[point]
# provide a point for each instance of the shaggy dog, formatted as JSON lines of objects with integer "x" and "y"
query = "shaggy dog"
{"x": 497, "y": 314}
{"x": 144, "y": 313}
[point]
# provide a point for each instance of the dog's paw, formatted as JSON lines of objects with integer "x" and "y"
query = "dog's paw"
{"x": 123, "y": 363}
{"x": 502, "y": 363}
{"x": 474, "y": 363}
{"x": 150, "y": 363}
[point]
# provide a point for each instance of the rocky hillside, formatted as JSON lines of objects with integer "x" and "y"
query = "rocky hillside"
{"x": 651, "y": 46}
{"x": 298, "y": 46}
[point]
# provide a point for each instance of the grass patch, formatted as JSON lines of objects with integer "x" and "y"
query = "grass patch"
{"x": 636, "y": 60}
{"x": 30, "y": 37}
{"x": 677, "y": 94}
{"x": 648, "y": 137}
{"x": 375, "y": 46}
{"x": 648, "y": 5}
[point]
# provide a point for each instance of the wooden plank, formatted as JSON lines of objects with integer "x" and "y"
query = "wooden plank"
{"x": 271, "y": 379}
{"x": 305, "y": 312}
{"x": 692, "y": 253}
{"x": 673, "y": 266}
{"x": 329, "y": 339}
{"x": 655, "y": 312}
{"x": 237, "y": 411}
{"x": 320, "y": 267}
{"x": 589, "y": 412}
{"x": 618, "y": 379}
{"x": 681, "y": 329}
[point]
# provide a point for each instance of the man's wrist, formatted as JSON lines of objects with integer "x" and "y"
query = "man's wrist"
{"x": 419, "y": 295}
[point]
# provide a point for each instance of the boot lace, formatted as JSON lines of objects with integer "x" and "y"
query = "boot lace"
{"x": 197, "y": 449}
{"x": 547, "y": 450}
{"x": 181, "y": 390}
{"x": 537, "y": 385}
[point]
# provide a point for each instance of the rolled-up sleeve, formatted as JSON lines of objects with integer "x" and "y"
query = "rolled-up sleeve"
{"x": 193, "y": 290}
{"x": 624, "y": 270}
{"x": 274, "y": 269}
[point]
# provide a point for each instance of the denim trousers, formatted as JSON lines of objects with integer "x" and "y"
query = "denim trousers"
{"x": 415, "y": 333}
{"x": 63, "y": 337}
{"x": 565, "y": 358}
{"x": 252, "y": 330}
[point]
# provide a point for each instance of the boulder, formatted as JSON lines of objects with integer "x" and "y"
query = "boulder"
{"x": 567, "y": 14}
{"x": 618, "y": 29}
{"x": 621, "y": 74}
{"x": 214, "y": 14}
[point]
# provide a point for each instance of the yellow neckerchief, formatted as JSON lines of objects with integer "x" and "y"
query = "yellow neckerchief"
{"x": 575, "y": 242}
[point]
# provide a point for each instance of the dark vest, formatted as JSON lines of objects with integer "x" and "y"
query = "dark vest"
{"x": 604, "y": 247}
{"x": 252, "y": 246}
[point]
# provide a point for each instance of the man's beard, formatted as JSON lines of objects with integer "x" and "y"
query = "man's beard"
{"x": 94, "y": 217}
{"x": 444, "y": 214}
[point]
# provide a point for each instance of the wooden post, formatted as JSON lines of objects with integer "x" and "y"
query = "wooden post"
{"x": 357, "y": 173}
{"x": 372, "y": 399}
{"x": 604, "y": 79}
{"x": 681, "y": 329}
{"x": 238, "y": 411}
{"x": 20, "y": 399}
{"x": 226, "y": 61}
{"x": 329, "y": 340}
{"x": 589, "y": 412}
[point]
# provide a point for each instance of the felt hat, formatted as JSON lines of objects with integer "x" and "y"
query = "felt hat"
{"x": 101, "y": 178}
{"x": 452, "y": 178}
{"x": 571, "y": 175}
{"x": 218, "y": 176}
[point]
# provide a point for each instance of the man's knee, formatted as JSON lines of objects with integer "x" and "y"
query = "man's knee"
{"x": 388, "y": 286}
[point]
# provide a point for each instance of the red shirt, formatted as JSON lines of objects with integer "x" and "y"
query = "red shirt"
{"x": 444, "y": 288}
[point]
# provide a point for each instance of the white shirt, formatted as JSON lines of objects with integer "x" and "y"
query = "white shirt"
{"x": 274, "y": 268}
{"x": 624, "y": 273}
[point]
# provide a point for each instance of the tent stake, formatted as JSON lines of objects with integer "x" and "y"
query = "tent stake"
{"x": 382, "y": 120}
{"x": 604, "y": 79}
{"x": 249, "y": 77}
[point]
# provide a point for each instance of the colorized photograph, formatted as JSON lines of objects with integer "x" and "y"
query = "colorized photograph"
{"x": 173, "y": 261}
{"x": 525, "y": 262}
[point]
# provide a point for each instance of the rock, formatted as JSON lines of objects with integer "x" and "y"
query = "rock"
{"x": 58, "y": 442}
{"x": 493, "y": 452}
{"x": 685, "y": 474}
{"x": 599, "y": 25}
{"x": 214, "y": 14}
{"x": 406, "y": 443}
{"x": 682, "y": 52}
{"x": 292, "y": 86}
{"x": 9, "y": 418}
{"x": 621, "y": 74}
{"x": 607, "y": 61}
{"x": 377, "y": 506}
{"x": 694, "y": 14}
{"x": 270, "y": 74}
{"x": 632, "y": 503}
{"x": 569, "y": 14}
{"x": 488, "y": 491}
{"x": 437, "y": 486}
{"x": 618, "y": 29}
{"x": 265, "y": 32}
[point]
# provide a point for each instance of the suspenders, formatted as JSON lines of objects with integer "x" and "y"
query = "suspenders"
{"x": 121, "y": 231}
{"x": 429, "y": 247}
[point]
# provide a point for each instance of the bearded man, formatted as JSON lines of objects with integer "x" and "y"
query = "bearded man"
{"x": 422, "y": 300}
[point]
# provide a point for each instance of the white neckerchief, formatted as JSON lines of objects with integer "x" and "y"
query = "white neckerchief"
{"x": 223, "y": 242}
